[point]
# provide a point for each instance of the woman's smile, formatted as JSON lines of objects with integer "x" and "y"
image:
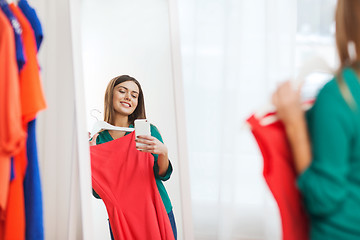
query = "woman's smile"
{"x": 125, "y": 104}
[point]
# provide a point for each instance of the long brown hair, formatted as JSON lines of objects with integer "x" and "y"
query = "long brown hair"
{"x": 347, "y": 18}
{"x": 109, "y": 115}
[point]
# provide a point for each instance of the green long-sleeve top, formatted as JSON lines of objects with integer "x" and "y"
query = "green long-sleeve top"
{"x": 105, "y": 136}
{"x": 331, "y": 184}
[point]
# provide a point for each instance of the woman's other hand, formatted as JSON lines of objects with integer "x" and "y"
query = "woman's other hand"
{"x": 93, "y": 140}
{"x": 287, "y": 101}
{"x": 288, "y": 106}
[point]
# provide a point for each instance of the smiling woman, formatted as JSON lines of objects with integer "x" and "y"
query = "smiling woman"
{"x": 124, "y": 102}
{"x": 149, "y": 53}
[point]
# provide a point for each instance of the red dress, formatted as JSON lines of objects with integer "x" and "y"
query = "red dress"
{"x": 280, "y": 175}
{"x": 124, "y": 179}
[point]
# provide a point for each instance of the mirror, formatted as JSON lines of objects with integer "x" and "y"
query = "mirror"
{"x": 132, "y": 38}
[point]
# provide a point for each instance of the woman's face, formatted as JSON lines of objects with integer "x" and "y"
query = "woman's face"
{"x": 125, "y": 98}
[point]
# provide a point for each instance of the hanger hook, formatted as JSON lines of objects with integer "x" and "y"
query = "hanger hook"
{"x": 92, "y": 113}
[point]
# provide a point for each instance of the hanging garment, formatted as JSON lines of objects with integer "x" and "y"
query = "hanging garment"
{"x": 280, "y": 176}
{"x": 124, "y": 178}
{"x": 32, "y": 189}
{"x": 20, "y": 57}
{"x": 15, "y": 210}
{"x": 32, "y": 181}
{"x": 31, "y": 92}
{"x": 12, "y": 134}
{"x": 32, "y": 101}
{"x": 12, "y": 172}
{"x": 5, "y": 188}
{"x": 32, "y": 17}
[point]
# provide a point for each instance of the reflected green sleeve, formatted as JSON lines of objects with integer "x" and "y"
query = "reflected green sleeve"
{"x": 155, "y": 133}
{"x": 323, "y": 184}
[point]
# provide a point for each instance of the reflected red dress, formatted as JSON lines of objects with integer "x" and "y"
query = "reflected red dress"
{"x": 280, "y": 175}
{"x": 124, "y": 179}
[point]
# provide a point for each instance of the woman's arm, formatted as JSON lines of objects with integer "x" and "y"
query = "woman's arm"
{"x": 154, "y": 146}
{"x": 300, "y": 145}
{"x": 288, "y": 105}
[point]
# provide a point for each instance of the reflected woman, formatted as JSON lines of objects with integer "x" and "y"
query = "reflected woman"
{"x": 326, "y": 147}
{"x": 124, "y": 102}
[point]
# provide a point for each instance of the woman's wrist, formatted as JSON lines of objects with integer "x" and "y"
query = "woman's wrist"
{"x": 164, "y": 151}
{"x": 298, "y": 137}
{"x": 163, "y": 154}
{"x": 295, "y": 126}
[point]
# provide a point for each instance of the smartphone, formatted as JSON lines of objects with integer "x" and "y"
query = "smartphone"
{"x": 142, "y": 127}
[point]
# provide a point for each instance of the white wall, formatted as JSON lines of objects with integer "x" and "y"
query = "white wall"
{"x": 133, "y": 38}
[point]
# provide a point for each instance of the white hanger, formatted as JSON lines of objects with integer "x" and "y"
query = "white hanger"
{"x": 315, "y": 64}
{"x": 102, "y": 125}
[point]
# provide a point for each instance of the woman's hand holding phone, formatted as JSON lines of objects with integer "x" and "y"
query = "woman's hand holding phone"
{"x": 144, "y": 141}
{"x": 150, "y": 144}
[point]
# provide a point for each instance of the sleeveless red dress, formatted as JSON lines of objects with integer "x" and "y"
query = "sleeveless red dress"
{"x": 124, "y": 179}
{"x": 280, "y": 176}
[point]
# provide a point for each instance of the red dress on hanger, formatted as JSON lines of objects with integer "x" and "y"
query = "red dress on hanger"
{"x": 280, "y": 176}
{"x": 124, "y": 179}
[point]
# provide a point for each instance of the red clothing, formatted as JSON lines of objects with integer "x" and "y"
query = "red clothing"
{"x": 32, "y": 95}
{"x": 32, "y": 101}
{"x": 15, "y": 211}
{"x": 12, "y": 134}
{"x": 124, "y": 179}
{"x": 280, "y": 176}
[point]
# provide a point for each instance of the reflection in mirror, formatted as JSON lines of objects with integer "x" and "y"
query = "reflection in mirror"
{"x": 121, "y": 38}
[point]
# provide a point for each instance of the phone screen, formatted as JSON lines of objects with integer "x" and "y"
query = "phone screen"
{"x": 142, "y": 127}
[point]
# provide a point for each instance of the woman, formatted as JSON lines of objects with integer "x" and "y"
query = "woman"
{"x": 326, "y": 148}
{"x": 124, "y": 102}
